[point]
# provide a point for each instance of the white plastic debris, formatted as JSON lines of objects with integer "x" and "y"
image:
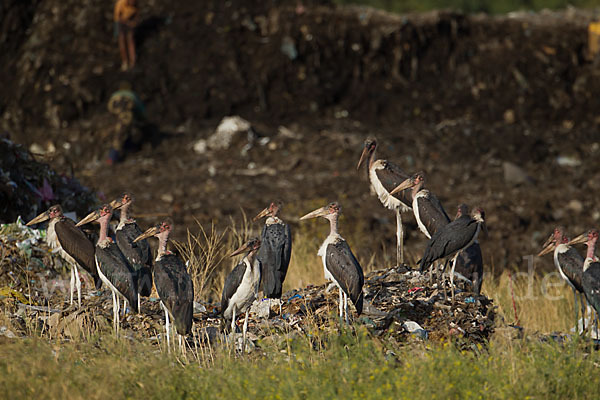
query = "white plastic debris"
{"x": 223, "y": 136}
{"x": 415, "y": 329}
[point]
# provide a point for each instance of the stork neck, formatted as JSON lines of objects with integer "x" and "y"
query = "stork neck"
{"x": 103, "y": 229}
{"x": 333, "y": 224}
{"x": 163, "y": 239}
{"x": 124, "y": 214}
{"x": 372, "y": 158}
{"x": 591, "y": 248}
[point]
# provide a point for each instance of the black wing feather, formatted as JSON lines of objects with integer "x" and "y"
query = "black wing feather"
{"x": 571, "y": 264}
{"x": 274, "y": 254}
{"x": 591, "y": 285}
{"x": 432, "y": 213}
{"x": 449, "y": 239}
{"x": 469, "y": 264}
{"x": 232, "y": 282}
{"x": 137, "y": 254}
{"x": 77, "y": 245}
{"x": 176, "y": 290}
{"x": 346, "y": 270}
{"x": 391, "y": 176}
{"x": 118, "y": 271}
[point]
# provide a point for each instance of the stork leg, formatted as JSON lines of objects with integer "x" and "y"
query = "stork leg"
{"x": 279, "y": 307}
{"x": 115, "y": 316}
{"x": 582, "y": 303}
{"x": 139, "y": 302}
{"x": 78, "y": 286}
{"x": 244, "y": 331}
{"x": 72, "y": 284}
{"x": 399, "y": 238}
{"x": 167, "y": 326}
{"x": 341, "y": 305}
{"x": 576, "y": 312}
{"x": 118, "y": 313}
{"x": 452, "y": 276}
{"x": 346, "y": 308}
{"x": 233, "y": 321}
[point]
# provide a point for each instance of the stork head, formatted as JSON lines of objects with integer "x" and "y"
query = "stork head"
{"x": 124, "y": 200}
{"x": 53, "y": 212}
{"x": 250, "y": 247}
{"x": 162, "y": 229}
{"x": 104, "y": 213}
{"x": 368, "y": 149}
{"x": 590, "y": 237}
{"x": 461, "y": 210}
{"x": 557, "y": 237}
{"x": 329, "y": 211}
{"x": 270, "y": 211}
{"x": 479, "y": 215}
{"x": 415, "y": 181}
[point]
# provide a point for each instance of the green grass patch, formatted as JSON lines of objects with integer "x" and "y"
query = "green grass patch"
{"x": 347, "y": 366}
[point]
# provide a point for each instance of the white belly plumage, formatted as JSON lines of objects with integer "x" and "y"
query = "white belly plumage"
{"x": 52, "y": 241}
{"x": 245, "y": 295}
{"x": 323, "y": 254}
{"x": 388, "y": 201}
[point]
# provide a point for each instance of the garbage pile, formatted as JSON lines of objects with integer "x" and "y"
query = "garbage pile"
{"x": 28, "y": 186}
{"x": 400, "y": 305}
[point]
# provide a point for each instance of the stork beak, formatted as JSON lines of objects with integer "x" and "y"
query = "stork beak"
{"x": 319, "y": 212}
{"x": 116, "y": 203}
{"x": 579, "y": 239}
{"x": 91, "y": 217}
{"x": 546, "y": 250}
{"x": 40, "y": 218}
{"x": 363, "y": 157}
{"x": 408, "y": 183}
{"x": 548, "y": 241}
{"x": 149, "y": 233}
{"x": 261, "y": 214}
{"x": 244, "y": 248}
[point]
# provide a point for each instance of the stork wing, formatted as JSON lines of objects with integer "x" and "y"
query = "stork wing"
{"x": 431, "y": 214}
{"x": 137, "y": 254}
{"x": 176, "y": 290}
{"x": 78, "y": 246}
{"x": 232, "y": 282}
{"x": 449, "y": 239}
{"x": 346, "y": 270}
{"x": 391, "y": 176}
{"x": 591, "y": 285}
{"x": 571, "y": 265}
{"x": 114, "y": 266}
{"x": 274, "y": 259}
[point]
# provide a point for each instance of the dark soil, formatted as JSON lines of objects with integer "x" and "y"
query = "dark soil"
{"x": 457, "y": 96}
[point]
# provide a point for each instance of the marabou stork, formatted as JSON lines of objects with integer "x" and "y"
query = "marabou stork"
{"x": 384, "y": 177}
{"x": 469, "y": 262}
{"x": 137, "y": 253}
{"x": 113, "y": 268}
{"x": 275, "y": 251}
{"x": 428, "y": 210}
{"x": 447, "y": 242}
{"x": 590, "y": 280}
{"x": 339, "y": 264}
{"x": 173, "y": 283}
{"x": 73, "y": 245}
{"x": 241, "y": 285}
{"x": 568, "y": 262}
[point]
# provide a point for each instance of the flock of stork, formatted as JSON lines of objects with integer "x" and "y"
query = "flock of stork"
{"x": 124, "y": 264}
